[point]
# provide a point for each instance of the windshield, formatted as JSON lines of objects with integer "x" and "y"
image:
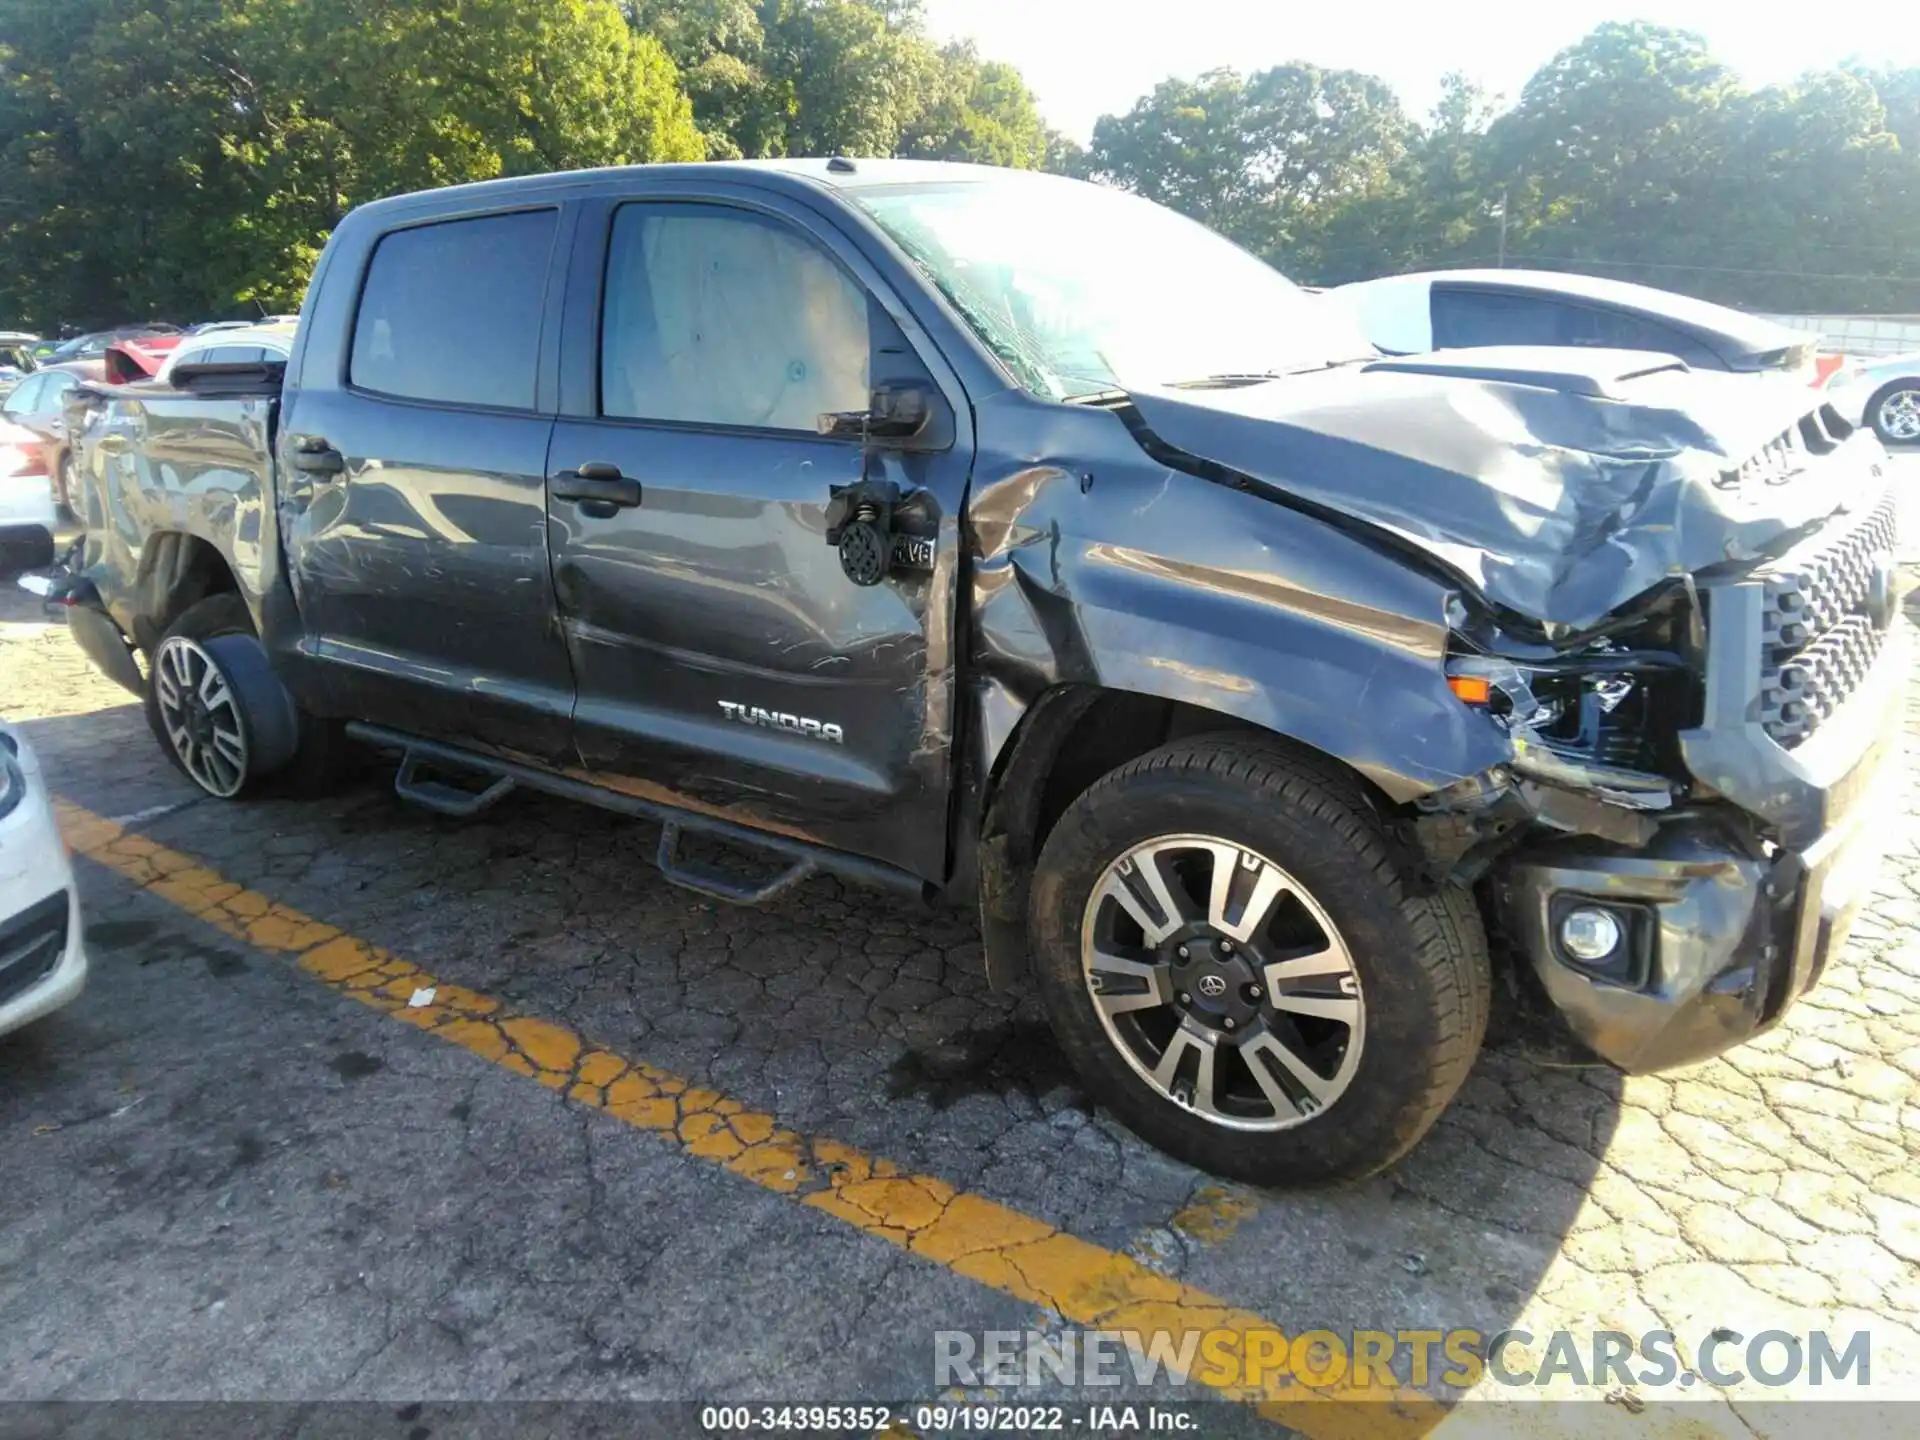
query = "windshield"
{"x": 1081, "y": 289}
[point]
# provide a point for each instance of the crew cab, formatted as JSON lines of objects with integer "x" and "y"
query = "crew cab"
{"x": 1015, "y": 542}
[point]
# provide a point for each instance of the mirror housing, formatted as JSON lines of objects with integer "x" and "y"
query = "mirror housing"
{"x": 900, "y": 415}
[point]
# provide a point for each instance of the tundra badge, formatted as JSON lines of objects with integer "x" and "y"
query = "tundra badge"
{"x": 781, "y": 720}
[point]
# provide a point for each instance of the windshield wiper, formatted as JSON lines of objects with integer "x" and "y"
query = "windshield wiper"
{"x": 1234, "y": 380}
{"x": 1225, "y": 382}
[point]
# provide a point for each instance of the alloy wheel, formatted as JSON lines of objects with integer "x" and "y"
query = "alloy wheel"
{"x": 1222, "y": 982}
{"x": 1900, "y": 415}
{"x": 201, "y": 716}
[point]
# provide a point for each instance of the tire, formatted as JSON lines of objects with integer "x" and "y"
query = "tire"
{"x": 251, "y": 733}
{"x": 1384, "y": 1004}
{"x": 1894, "y": 412}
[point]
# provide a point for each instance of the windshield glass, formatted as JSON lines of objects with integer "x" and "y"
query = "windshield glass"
{"x": 1080, "y": 289}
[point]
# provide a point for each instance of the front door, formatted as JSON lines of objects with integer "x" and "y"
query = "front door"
{"x": 723, "y": 657}
{"x": 414, "y": 492}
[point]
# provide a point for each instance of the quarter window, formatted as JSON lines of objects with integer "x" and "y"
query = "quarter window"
{"x": 451, "y": 311}
{"x": 722, "y": 317}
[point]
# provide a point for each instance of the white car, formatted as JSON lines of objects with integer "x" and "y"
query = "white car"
{"x": 43, "y": 963}
{"x": 1883, "y": 393}
{"x": 1468, "y": 309}
{"x": 231, "y": 345}
{"x": 27, "y": 514}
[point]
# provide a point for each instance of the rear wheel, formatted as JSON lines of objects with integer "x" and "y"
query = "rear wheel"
{"x": 1894, "y": 412}
{"x": 221, "y": 714}
{"x": 1236, "y": 965}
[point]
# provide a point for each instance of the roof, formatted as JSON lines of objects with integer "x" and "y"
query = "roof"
{"x": 1749, "y": 333}
{"x": 241, "y": 335}
{"x": 838, "y": 173}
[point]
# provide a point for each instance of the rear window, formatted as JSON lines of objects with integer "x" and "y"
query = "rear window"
{"x": 451, "y": 311}
{"x": 1468, "y": 319}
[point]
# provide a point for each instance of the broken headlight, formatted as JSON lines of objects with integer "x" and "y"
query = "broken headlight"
{"x": 1606, "y": 718}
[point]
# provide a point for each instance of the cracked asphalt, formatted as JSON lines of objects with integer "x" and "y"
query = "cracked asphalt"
{"x": 232, "y": 1174}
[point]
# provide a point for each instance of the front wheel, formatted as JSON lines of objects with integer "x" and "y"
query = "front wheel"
{"x": 1894, "y": 413}
{"x": 1236, "y": 965}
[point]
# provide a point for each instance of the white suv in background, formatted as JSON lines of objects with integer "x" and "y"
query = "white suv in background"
{"x": 42, "y": 961}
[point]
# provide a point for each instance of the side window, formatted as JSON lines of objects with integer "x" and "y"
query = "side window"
{"x": 1617, "y": 330}
{"x": 20, "y": 402}
{"x": 1467, "y": 319}
{"x": 451, "y": 311}
{"x": 722, "y": 317}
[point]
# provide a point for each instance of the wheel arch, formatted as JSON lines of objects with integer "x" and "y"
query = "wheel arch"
{"x": 177, "y": 570}
{"x": 1870, "y": 412}
{"x": 1070, "y": 736}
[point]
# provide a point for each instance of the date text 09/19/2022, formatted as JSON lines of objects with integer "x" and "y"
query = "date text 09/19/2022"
{"x": 964, "y": 1417}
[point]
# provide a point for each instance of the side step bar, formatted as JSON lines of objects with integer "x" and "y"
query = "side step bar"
{"x": 445, "y": 799}
{"x": 803, "y": 858}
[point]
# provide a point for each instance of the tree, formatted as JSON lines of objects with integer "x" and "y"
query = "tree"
{"x": 1604, "y": 157}
{"x": 840, "y": 77}
{"x": 188, "y": 157}
{"x": 977, "y": 110}
{"x": 1260, "y": 158}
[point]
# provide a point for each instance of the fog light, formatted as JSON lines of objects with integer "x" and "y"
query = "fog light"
{"x": 1589, "y": 934}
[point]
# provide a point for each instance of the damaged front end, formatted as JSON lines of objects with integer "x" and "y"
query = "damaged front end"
{"x": 1683, "y": 833}
{"x": 1677, "y": 604}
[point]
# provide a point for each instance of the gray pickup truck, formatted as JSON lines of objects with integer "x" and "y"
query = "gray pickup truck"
{"x": 1008, "y": 540}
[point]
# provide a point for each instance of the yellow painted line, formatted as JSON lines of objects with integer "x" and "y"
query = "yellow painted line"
{"x": 991, "y": 1243}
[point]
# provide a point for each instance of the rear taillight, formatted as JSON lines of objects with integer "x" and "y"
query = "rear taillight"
{"x": 19, "y": 462}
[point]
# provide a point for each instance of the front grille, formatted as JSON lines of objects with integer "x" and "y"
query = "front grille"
{"x": 1822, "y": 632}
{"x": 31, "y": 945}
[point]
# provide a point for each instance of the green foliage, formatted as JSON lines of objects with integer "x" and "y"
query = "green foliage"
{"x": 186, "y": 158}
{"x": 189, "y": 157}
{"x": 1633, "y": 153}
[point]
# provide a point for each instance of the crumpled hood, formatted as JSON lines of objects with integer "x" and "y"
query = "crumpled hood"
{"x": 1560, "y": 483}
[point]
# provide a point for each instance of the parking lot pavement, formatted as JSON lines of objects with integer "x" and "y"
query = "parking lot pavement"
{"x": 683, "y": 1151}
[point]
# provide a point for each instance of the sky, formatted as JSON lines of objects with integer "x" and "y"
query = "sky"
{"x": 1087, "y": 58}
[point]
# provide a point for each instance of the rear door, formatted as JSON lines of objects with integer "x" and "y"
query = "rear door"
{"x": 413, "y": 483}
{"x": 724, "y": 659}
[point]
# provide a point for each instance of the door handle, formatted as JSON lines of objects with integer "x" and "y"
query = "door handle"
{"x": 316, "y": 457}
{"x": 600, "y": 488}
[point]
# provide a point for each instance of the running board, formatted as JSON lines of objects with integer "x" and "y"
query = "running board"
{"x": 445, "y": 799}
{"x": 718, "y": 886}
{"x": 804, "y": 858}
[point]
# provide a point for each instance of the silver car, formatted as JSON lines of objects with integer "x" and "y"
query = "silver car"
{"x": 1884, "y": 394}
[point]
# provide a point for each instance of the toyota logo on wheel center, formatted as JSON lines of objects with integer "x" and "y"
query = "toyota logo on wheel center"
{"x": 1212, "y": 986}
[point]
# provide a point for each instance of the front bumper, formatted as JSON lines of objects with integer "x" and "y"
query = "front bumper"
{"x": 43, "y": 960}
{"x": 26, "y": 504}
{"x": 1734, "y": 909}
{"x": 1721, "y": 936}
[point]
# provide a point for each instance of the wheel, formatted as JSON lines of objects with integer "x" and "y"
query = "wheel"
{"x": 1894, "y": 412}
{"x": 221, "y": 714}
{"x": 1236, "y": 964}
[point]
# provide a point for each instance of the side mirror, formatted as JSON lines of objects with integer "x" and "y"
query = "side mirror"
{"x": 898, "y": 416}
